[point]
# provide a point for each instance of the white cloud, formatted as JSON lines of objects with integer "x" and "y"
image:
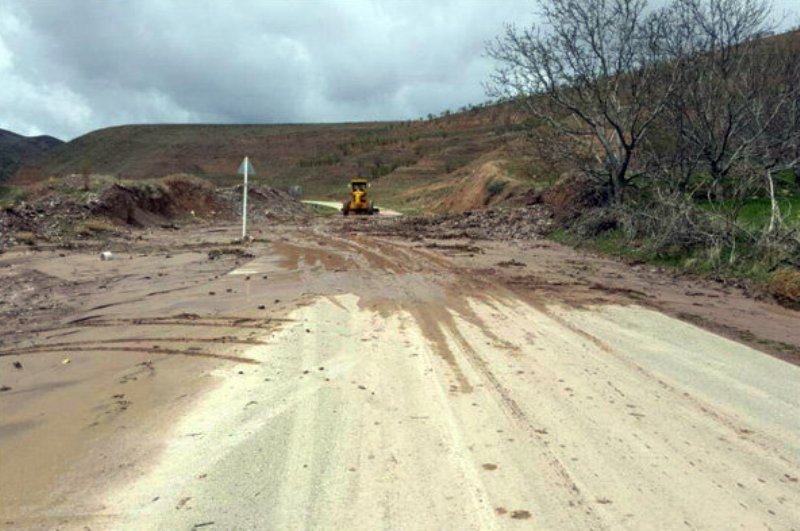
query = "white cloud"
{"x": 69, "y": 66}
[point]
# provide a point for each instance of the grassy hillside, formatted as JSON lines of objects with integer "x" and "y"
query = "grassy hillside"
{"x": 412, "y": 163}
{"x": 17, "y": 151}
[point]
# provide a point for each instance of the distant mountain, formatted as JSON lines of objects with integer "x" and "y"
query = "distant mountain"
{"x": 17, "y": 151}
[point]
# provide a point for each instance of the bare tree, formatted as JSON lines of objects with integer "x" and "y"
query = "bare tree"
{"x": 719, "y": 45}
{"x": 595, "y": 72}
{"x": 736, "y": 113}
{"x": 775, "y": 116}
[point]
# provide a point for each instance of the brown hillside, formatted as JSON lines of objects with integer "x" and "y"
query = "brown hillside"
{"x": 400, "y": 157}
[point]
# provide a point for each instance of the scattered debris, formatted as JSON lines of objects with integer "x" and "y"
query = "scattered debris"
{"x": 213, "y": 254}
{"x": 511, "y": 263}
{"x": 522, "y": 223}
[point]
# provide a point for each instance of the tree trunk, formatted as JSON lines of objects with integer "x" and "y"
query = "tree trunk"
{"x": 775, "y": 213}
{"x": 618, "y": 189}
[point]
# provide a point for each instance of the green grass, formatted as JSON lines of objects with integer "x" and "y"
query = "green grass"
{"x": 756, "y": 212}
{"x": 10, "y": 195}
{"x": 698, "y": 260}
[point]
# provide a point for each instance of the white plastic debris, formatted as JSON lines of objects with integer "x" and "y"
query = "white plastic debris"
{"x": 106, "y": 255}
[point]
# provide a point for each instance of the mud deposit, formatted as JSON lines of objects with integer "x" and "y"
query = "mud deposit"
{"x": 362, "y": 374}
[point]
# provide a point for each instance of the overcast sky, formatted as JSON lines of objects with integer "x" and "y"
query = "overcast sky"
{"x": 71, "y": 66}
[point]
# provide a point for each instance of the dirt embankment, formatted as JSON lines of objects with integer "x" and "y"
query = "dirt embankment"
{"x": 78, "y": 208}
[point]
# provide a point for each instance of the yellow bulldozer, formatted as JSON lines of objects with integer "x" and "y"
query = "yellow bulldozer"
{"x": 358, "y": 202}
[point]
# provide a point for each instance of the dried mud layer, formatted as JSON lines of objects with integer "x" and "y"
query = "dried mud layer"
{"x": 361, "y": 373}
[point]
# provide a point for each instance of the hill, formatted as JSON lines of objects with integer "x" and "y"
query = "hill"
{"x": 17, "y": 151}
{"x": 413, "y": 164}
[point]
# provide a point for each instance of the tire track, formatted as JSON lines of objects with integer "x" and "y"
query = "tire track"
{"x": 167, "y": 352}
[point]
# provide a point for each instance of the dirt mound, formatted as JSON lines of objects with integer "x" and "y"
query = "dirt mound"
{"x": 140, "y": 206}
{"x": 784, "y": 285}
{"x": 263, "y": 202}
{"x": 48, "y": 221}
{"x": 523, "y": 223}
{"x": 149, "y": 203}
{"x": 73, "y": 209}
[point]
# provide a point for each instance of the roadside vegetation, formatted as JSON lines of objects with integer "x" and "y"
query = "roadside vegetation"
{"x": 681, "y": 125}
{"x": 11, "y": 195}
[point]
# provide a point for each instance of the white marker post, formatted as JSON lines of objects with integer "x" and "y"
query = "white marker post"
{"x": 244, "y": 169}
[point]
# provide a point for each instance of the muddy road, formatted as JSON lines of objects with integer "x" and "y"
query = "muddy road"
{"x": 326, "y": 376}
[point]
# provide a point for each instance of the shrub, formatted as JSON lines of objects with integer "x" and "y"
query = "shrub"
{"x": 495, "y": 187}
{"x": 11, "y": 195}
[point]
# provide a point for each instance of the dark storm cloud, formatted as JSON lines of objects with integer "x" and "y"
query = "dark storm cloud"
{"x": 70, "y": 66}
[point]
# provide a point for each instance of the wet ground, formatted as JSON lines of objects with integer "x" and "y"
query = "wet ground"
{"x": 326, "y": 376}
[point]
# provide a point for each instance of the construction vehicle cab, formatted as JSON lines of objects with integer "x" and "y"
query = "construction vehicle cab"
{"x": 358, "y": 202}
